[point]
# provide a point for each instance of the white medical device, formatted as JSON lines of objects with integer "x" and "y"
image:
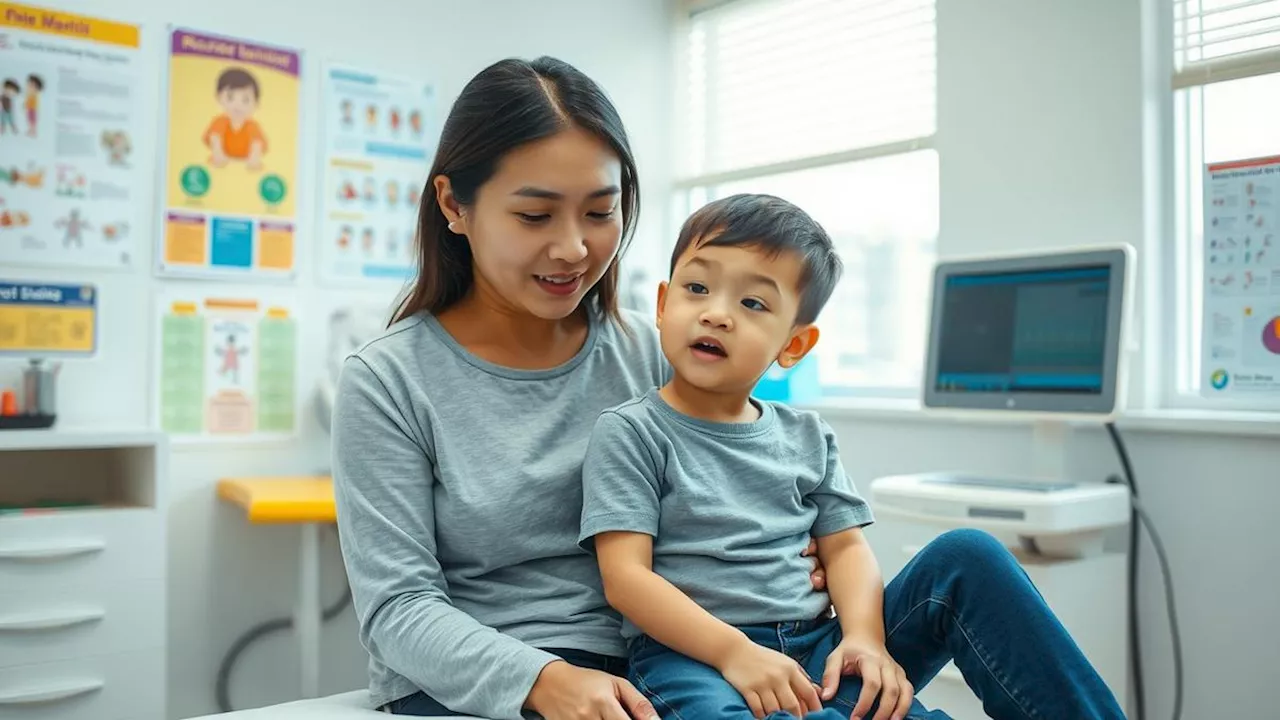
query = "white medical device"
{"x": 1042, "y": 336}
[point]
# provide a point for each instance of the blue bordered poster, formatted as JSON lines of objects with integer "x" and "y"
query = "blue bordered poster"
{"x": 378, "y": 141}
{"x": 43, "y": 319}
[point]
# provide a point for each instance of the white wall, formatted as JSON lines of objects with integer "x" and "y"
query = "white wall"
{"x": 225, "y": 575}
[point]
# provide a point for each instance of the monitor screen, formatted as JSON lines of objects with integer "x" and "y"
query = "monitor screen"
{"x": 1031, "y": 334}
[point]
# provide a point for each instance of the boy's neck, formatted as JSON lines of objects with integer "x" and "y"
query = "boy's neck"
{"x": 721, "y": 407}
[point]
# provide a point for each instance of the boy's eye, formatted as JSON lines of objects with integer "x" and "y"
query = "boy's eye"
{"x": 753, "y": 304}
{"x": 696, "y": 288}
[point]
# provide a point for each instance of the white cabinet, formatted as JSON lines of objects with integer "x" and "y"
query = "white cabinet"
{"x": 82, "y": 575}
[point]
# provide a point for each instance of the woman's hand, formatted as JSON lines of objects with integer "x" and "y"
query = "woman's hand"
{"x": 819, "y": 574}
{"x": 566, "y": 692}
{"x": 881, "y": 677}
{"x": 769, "y": 681}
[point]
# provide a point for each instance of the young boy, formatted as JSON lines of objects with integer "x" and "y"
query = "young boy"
{"x": 699, "y": 500}
{"x": 235, "y": 135}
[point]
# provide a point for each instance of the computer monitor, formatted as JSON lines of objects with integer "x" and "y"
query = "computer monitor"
{"x": 1039, "y": 334}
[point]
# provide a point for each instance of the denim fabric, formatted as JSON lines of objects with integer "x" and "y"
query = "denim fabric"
{"x": 963, "y": 598}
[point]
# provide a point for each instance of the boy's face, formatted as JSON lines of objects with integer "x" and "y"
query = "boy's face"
{"x": 238, "y": 103}
{"x": 729, "y": 313}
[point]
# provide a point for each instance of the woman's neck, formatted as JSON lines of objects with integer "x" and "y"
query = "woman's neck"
{"x": 512, "y": 338}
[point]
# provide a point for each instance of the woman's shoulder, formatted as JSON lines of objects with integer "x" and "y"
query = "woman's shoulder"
{"x": 401, "y": 341}
{"x": 633, "y": 337}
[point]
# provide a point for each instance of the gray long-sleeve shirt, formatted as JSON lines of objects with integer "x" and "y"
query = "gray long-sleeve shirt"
{"x": 458, "y": 486}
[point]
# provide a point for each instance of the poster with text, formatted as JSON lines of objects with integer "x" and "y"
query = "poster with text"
{"x": 377, "y": 148}
{"x": 231, "y": 169}
{"x": 1241, "y": 330}
{"x": 44, "y": 319}
{"x": 227, "y": 367}
{"x": 70, "y": 184}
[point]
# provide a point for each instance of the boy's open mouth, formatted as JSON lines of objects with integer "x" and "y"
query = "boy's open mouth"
{"x": 709, "y": 346}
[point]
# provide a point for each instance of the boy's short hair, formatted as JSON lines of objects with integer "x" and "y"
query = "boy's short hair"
{"x": 774, "y": 226}
{"x": 238, "y": 79}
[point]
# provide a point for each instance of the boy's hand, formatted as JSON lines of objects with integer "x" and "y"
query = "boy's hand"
{"x": 881, "y": 677}
{"x": 818, "y": 576}
{"x": 769, "y": 681}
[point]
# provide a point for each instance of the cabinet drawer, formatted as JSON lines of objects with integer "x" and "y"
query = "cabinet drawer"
{"x": 96, "y": 546}
{"x": 106, "y": 687}
{"x": 64, "y": 621}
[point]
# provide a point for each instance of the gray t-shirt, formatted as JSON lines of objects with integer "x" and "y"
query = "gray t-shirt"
{"x": 731, "y": 506}
{"x": 458, "y": 485}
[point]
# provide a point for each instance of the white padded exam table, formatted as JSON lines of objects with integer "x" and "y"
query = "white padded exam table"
{"x": 347, "y": 706}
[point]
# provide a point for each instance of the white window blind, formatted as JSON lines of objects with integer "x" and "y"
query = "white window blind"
{"x": 1217, "y": 40}
{"x": 772, "y": 83}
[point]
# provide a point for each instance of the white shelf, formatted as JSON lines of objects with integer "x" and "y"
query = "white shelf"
{"x": 57, "y": 438}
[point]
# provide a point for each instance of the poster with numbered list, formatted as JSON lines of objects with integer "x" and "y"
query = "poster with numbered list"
{"x": 227, "y": 366}
{"x": 378, "y": 143}
{"x": 71, "y": 187}
{"x": 231, "y": 163}
{"x": 1240, "y": 353}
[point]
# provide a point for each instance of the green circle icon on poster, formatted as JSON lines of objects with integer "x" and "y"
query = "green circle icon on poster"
{"x": 272, "y": 189}
{"x": 195, "y": 180}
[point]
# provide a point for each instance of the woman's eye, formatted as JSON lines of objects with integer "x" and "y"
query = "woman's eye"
{"x": 533, "y": 218}
{"x": 753, "y": 304}
{"x": 601, "y": 215}
{"x": 696, "y": 288}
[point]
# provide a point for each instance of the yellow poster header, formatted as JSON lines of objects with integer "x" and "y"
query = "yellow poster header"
{"x": 63, "y": 24}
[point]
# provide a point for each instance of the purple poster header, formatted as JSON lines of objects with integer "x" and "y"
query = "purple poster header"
{"x": 239, "y": 51}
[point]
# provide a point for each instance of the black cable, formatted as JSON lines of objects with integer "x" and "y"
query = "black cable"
{"x": 1135, "y": 646}
{"x": 1139, "y": 516}
{"x": 222, "y": 688}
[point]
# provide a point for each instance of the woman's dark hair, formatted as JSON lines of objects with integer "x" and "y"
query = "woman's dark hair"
{"x": 509, "y": 104}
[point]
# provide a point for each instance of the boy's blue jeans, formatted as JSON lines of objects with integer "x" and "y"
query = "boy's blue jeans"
{"x": 963, "y": 597}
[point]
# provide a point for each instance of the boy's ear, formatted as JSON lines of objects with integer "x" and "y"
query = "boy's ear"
{"x": 662, "y": 301}
{"x": 803, "y": 338}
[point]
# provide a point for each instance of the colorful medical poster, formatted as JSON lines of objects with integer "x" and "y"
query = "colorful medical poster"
{"x": 231, "y": 167}
{"x": 1241, "y": 330}
{"x": 227, "y": 367}
{"x": 39, "y": 319}
{"x": 71, "y": 187}
{"x": 378, "y": 140}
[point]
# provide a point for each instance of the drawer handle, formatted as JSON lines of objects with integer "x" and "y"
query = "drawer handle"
{"x": 49, "y": 693}
{"x": 49, "y": 621}
{"x": 60, "y": 551}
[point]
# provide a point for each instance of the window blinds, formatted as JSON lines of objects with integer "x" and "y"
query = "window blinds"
{"x": 1216, "y": 40}
{"x": 774, "y": 81}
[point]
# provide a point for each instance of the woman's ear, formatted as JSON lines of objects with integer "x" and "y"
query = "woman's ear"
{"x": 662, "y": 301}
{"x": 449, "y": 205}
{"x": 802, "y": 341}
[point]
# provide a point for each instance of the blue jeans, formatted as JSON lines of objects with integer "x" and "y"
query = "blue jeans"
{"x": 963, "y": 597}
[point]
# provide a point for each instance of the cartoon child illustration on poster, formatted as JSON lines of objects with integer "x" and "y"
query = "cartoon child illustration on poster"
{"x": 35, "y": 86}
{"x": 344, "y": 237}
{"x": 11, "y": 90}
{"x": 395, "y": 120}
{"x": 229, "y": 358}
{"x": 415, "y": 122}
{"x": 393, "y": 193}
{"x": 234, "y": 134}
{"x": 348, "y": 112}
{"x": 366, "y": 241}
{"x": 74, "y": 226}
{"x": 371, "y": 117}
{"x": 118, "y": 146}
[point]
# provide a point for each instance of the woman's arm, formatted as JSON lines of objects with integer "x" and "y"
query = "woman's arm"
{"x": 383, "y": 480}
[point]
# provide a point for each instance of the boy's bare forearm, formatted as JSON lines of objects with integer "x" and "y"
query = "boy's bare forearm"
{"x": 855, "y": 584}
{"x": 663, "y": 612}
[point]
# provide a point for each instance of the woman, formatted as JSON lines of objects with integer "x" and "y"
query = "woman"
{"x": 458, "y": 437}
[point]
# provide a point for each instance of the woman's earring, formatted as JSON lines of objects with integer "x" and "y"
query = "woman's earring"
{"x": 453, "y": 227}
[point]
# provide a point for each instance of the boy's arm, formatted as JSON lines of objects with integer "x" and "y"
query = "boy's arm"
{"x": 656, "y": 606}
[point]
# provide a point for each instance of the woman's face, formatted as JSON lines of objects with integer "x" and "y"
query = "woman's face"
{"x": 545, "y": 227}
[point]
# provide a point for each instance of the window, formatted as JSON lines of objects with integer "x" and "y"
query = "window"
{"x": 830, "y": 104}
{"x": 1226, "y": 60}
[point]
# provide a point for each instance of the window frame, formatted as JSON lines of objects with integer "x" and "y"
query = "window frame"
{"x": 684, "y": 186}
{"x": 1172, "y": 325}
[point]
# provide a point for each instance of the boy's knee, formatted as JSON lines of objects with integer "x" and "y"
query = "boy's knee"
{"x": 967, "y": 546}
